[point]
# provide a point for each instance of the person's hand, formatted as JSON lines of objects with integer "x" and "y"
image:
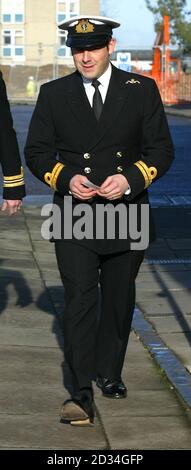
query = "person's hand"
{"x": 113, "y": 187}
{"x": 11, "y": 206}
{"x": 78, "y": 190}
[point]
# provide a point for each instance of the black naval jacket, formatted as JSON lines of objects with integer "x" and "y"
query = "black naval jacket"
{"x": 131, "y": 138}
{"x": 13, "y": 182}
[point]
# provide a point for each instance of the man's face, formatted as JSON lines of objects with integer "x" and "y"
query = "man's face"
{"x": 92, "y": 63}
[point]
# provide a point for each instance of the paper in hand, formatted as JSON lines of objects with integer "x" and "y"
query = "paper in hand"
{"x": 90, "y": 185}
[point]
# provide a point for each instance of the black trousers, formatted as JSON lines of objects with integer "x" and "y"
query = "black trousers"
{"x": 96, "y": 344}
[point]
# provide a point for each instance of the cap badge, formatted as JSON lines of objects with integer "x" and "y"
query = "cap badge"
{"x": 84, "y": 26}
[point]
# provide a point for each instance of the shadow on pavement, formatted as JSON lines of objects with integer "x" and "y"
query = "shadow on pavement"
{"x": 14, "y": 278}
{"x": 56, "y": 295}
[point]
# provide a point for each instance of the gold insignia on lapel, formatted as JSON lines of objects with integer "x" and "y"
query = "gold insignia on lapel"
{"x": 84, "y": 26}
{"x": 133, "y": 81}
{"x": 149, "y": 173}
{"x": 51, "y": 178}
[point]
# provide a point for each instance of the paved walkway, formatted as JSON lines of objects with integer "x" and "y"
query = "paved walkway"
{"x": 155, "y": 415}
{"x": 183, "y": 110}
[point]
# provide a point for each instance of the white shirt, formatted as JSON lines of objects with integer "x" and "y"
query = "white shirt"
{"x": 104, "y": 84}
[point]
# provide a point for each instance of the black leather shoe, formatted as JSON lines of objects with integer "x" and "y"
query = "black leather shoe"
{"x": 112, "y": 388}
{"x": 78, "y": 411}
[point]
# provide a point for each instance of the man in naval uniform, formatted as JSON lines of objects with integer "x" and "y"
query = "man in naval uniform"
{"x": 13, "y": 180}
{"x": 106, "y": 126}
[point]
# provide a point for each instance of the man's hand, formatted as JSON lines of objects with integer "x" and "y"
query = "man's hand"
{"x": 113, "y": 187}
{"x": 11, "y": 206}
{"x": 78, "y": 190}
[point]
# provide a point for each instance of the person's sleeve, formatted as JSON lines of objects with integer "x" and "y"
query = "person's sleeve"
{"x": 40, "y": 149}
{"x": 157, "y": 149}
{"x": 13, "y": 176}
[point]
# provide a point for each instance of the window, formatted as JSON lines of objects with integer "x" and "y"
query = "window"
{"x": 7, "y": 38}
{"x": 74, "y": 7}
{"x": 6, "y": 52}
{"x": 61, "y": 17}
{"x": 6, "y": 18}
{"x": 18, "y": 51}
{"x": 19, "y": 18}
{"x": 12, "y": 11}
{"x": 19, "y": 38}
{"x": 62, "y": 39}
{"x": 61, "y": 5}
{"x": 66, "y": 9}
{"x": 13, "y": 44}
{"x": 62, "y": 50}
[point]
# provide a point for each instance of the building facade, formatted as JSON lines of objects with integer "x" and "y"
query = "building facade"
{"x": 29, "y": 32}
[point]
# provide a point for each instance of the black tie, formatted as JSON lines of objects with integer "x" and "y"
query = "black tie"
{"x": 97, "y": 99}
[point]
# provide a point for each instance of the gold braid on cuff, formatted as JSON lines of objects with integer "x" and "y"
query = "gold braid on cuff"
{"x": 149, "y": 173}
{"x": 14, "y": 181}
{"x": 51, "y": 178}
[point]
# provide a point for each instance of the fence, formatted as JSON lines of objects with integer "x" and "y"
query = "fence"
{"x": 23, "y": 82}
{"x": 39, "y": 63}
{"x": 172, "y": 75}
{"x": 174, "y": 90}
{"x": 42, "y": 63}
